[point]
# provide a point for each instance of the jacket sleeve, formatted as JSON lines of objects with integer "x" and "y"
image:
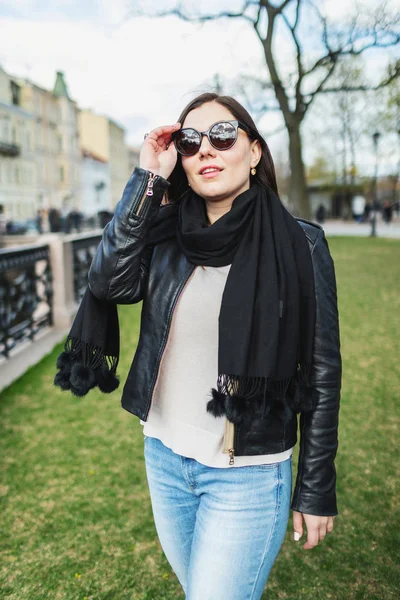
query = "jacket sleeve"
{"x": 120, "y": 267}
{"x": 315, "y": 489}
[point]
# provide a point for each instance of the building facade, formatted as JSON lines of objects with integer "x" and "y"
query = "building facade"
{"x": 134, "y": 157}
{"x": 18, "y": 169}
{"x": 56, "y": 144}
{"x": 105, "y": 139}
{"x": 96, "y": 189}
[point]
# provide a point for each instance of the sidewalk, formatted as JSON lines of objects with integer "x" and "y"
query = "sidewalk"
{"x": 333, "y": 227}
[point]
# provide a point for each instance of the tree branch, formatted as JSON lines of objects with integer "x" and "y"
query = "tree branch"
{"x": 358, "y": 39}
{"x": 300, "y": 68}
{"x": 179, "y": 12}
{"x": 280, "y": 91}
{"x": 393, "y": 74}
{"x": 276, "y": 9}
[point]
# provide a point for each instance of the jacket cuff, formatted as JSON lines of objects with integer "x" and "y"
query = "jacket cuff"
{"x": 312, "y": 504}
{"x": 143, "y": 191}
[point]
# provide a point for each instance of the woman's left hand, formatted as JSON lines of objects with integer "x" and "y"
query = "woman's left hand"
{"x": 317, "y": 528}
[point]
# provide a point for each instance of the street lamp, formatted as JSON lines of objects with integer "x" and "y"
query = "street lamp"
{"x": 375, "y": 139}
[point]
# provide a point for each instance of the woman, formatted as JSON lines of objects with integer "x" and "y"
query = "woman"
{"x": 239, "y": 333}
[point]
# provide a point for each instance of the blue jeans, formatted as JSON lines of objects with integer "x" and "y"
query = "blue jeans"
{"x": 220, "y": 529}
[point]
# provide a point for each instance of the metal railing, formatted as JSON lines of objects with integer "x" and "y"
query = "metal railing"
{"x": 83, "y": 251}
{"x": 26, "y": 293}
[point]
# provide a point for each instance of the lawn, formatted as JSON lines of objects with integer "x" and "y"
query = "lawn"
{"x": 76, "y": 520}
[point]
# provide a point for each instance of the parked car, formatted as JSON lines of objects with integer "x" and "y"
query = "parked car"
{"x": 16, "y": 228}
{"x": 21, "y": 227}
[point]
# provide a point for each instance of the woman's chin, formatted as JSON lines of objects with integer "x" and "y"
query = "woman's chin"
{"x": 213, "y": 190}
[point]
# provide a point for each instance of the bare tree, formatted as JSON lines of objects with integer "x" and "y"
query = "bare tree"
{"x": 313, "y": 70}
{"x": 346, "y": 105}
{"x": 389, "y": 123}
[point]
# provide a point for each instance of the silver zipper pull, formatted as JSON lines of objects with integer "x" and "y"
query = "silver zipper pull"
{"x": 150, "y": 184}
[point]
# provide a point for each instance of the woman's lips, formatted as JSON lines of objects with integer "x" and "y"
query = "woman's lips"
{"x": 210, "y": 174}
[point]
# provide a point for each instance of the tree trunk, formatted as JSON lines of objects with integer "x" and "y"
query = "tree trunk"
{"x": 298, "y": 194}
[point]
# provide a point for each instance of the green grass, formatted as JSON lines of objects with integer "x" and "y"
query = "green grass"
{"x": 76, "y": 519}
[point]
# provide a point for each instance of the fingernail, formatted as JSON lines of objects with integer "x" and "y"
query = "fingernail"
{"x": 296, "y": 536}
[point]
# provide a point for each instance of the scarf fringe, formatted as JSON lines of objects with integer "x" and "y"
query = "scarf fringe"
{"x": 248, "y": 387}
{"x": 241, "y": 398}
{"x": 83, "y": 366}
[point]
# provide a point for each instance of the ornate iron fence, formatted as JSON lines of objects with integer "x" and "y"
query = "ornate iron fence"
{"x": 83, "y": 251}
{"x": 26, "y": 294}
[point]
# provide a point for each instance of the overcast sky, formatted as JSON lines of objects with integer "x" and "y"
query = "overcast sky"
{"x": 139, "y": 71}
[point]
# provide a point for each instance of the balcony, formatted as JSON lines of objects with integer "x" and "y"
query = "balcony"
{"x": 9, "y": 149}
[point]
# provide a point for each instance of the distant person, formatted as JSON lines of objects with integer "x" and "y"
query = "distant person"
{"x": 367, "y": 212}
{"x": 74, "y": 220}
{"x": 54, "y": 220}
{"x": 39, "y": 221}
{"x": 246, "y": 295}
{"x": 320, "y": 214}
{"x": 387, "y": 212}
{"x": 105, "y": 217}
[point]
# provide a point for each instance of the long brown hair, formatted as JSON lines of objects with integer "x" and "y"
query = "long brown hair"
{"x": 265, "y": 169}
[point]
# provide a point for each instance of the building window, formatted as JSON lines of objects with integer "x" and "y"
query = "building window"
{"x": 15, "y": 93}
{"x": 16, "y": 174}
{"x": 14, "y": 135}
{"x": 62, "y": 174}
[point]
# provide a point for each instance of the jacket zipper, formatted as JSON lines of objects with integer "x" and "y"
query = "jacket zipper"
{"x": 229, "y": 437}
{"x": 148, "y": 192}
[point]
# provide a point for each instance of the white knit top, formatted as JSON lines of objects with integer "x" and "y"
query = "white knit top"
{"x": 188, "y": 371}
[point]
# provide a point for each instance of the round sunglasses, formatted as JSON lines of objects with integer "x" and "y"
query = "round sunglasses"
{"x": 221, "y": 135}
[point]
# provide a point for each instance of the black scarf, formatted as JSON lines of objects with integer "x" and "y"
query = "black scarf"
{"x": 267, "y": 315}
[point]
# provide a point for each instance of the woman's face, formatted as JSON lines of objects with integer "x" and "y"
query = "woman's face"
{"x": 233, "y": 175}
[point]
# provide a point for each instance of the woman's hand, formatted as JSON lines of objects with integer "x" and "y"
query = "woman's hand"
{"x": 158, "y": 153}
{"x": 317, "y": 528}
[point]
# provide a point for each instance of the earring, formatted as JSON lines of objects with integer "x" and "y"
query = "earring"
{"x": 253, "y": 171}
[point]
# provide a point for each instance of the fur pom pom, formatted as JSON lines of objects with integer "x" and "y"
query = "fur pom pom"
{"x": 238, "y": 409}
{"x": 106, "y": 380}
{"x": 216, "y": 406}
{"x": 64, "y": 360}
{"x": 82, "y": 379}
{"x": 62, "y": 380}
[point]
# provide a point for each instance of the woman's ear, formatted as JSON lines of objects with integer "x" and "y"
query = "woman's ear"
{"x": 256, "y": 152}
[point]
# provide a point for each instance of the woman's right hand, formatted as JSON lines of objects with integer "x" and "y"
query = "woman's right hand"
{"x": 158, "y": 153}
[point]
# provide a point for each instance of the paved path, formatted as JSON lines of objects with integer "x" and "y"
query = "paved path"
{"x": 362, "y": 229}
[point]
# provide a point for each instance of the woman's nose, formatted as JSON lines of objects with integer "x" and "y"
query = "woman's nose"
{"x": 205, "y": 147}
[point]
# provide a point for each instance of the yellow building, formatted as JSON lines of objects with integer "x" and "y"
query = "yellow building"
{"x": 57, "y": 148}
{"x": 134, "y": 157}
{"x": 106, "y": 139}
{"x": 17, "y": 160}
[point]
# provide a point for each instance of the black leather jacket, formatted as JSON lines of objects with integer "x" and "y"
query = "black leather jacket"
{"x": 124, "y": 270}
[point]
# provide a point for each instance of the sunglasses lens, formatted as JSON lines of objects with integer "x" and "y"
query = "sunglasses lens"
{"x": 187, "y": 141}
{"x": 223, "y": 135}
